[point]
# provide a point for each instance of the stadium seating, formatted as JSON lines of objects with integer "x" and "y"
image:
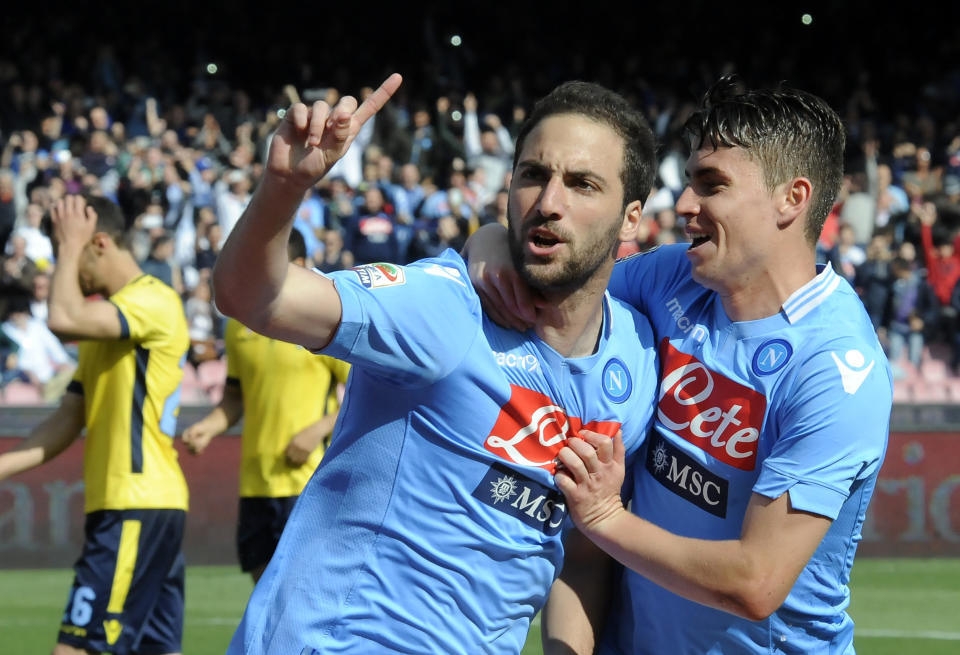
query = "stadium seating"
{"x": 22, "y": 393}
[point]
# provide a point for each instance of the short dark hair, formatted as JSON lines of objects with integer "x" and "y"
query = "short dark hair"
{"x": 296, "y": 246}
{"x": 110, "y": 219}
{"x": 790, "y": 133}
{"x": 604, "y": 106}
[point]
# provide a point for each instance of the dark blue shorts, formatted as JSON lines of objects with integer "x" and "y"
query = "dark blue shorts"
{"x": 127, "y": 593}
{"x": 260, "y": 523}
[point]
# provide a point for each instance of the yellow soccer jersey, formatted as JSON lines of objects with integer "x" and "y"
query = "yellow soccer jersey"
{"x": 131, "y": 391}
{"x": 285, "y": 388}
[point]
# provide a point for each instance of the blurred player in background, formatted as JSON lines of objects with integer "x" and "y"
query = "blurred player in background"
{"x": 127, "y": 593}
{"x": 288, "y": 400}
{"x": 432, "y": 525}
{"x": 773, "y": 411}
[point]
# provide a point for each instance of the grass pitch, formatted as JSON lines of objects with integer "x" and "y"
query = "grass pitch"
{"x": 899, "y": 606}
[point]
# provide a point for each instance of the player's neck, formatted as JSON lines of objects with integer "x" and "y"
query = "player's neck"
{"x": 123, "y": 269}
{"x": 764, "y": 292}
{"x": 572, "y": 325}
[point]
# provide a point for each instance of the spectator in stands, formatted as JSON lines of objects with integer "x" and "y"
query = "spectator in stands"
{"x": 846, "y": 255}
{"x": 9, "y": 362}
{"x": 488, "y": 147}
{"x": 892, "y": 201}
{"x": 409, "y": 193}
{"x": 496, "y": 209}
{"x": 8, "y": 203}
{"x": 288, "y": 399}
{"x": 941, "y": 254}
{"x": 41, "y": 357}
{"x": 873, "y": 278}
{"x": 924, "y": 179}
{"x": 913, "y": 308}
{"x": 232, "y": 194}
{"x": 39, "y": 307}
{"x": 159, "y": 263}
{"x": 341, "y": 205}
{"x": 18, "y": 268}
{"x": 859, "y": 209}
{"x": 127, "y": 593}
{"x": 334, "y": 258}
{"x": 201, "y": 322}
{"x": 311, "y": 222}
{"x": 955, "y": 341}
{"x": 38, "y": 246}
{"x": 372, "y": 235}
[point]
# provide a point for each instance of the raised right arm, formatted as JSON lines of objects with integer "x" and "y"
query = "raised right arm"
{"x": 253, "y": 280}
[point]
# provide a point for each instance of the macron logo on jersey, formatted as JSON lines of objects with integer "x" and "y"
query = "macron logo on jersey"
{"x": 714, "y": 413}
{"x": 675, "y": 310}
{"x": 853, "y": 369}
{"x": 531, "y": 429}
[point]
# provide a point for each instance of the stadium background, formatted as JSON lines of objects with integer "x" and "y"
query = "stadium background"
{"x": 907, "y": 55}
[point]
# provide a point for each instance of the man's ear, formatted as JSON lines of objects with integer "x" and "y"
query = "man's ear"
{"x": 632, "y": 215}
{"x": 101, "y": 242}
{"x": 795, "y": 201}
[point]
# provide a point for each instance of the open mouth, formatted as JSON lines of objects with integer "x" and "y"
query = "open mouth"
{"x": 543, "y": 241}
{"x": 697, "y": 240}
{"x": 541, "y": 238}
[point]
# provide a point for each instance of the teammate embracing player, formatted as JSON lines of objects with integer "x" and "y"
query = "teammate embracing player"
{"x": 772, "y": 415}
{"x": 433, "y": 524}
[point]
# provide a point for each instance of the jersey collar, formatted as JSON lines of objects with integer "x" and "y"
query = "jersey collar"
{"x": 808, "y": 297}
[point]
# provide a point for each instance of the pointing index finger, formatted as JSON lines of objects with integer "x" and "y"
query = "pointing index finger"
{"x": 378, "y": 98}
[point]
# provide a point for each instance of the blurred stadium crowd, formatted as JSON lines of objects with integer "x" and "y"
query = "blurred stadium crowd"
{"x": 180, "y": 144}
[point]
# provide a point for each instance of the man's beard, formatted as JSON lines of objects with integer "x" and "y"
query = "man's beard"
{"x": 583, "y": 258}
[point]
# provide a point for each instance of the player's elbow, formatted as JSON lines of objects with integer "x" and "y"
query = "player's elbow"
{"x": 757, "y": 597}
{"x": 59, "y": 321}
{"x": 233, "y": 296}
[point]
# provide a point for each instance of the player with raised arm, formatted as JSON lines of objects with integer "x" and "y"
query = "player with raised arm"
{"x": 773, "y": 410}
{"x": 433, "y": 525}
{"x": 127, "y": 593}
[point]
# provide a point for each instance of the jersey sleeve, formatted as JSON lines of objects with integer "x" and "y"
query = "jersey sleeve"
{"x": 832, "y": 430}
{"x": 408, "y": 324}
{"x": 140, "y": 306}
{"x": 642, "y": 278}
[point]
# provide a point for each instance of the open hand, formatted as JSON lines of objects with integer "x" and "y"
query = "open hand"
{"x": 74, "y": 223}
{"x": 310, "y": 140}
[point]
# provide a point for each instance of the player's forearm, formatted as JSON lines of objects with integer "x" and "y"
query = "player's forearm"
{"x": 66, "y": 302}
{"x": 45, "y": 442}
{"x": 719, "y": 574}
{"x": 230, "y": 408}
{"x": 579, "y": 599}
{"x": 252, "y": 267}
{"x": 565, "y": 626}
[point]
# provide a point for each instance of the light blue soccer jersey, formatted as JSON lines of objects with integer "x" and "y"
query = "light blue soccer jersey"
{"x": 432, "y": 524}
{"x": 798, "y": 402}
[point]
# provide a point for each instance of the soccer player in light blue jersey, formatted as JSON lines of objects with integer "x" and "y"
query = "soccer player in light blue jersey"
{"x": 433, "y": 523}
{"x": 772, "y": 414}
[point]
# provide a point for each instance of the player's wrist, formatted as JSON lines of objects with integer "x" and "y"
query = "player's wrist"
{"x": 605, "y": 522}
